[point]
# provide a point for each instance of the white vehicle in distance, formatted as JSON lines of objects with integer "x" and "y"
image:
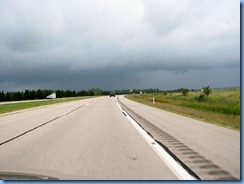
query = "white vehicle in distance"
{"x": 52, "y": 96}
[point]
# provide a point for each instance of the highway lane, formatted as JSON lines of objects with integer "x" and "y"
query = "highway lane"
{"x": 17, "y": 122}
{"x": 217, "y": 146}
{"x": 95, "y": 141}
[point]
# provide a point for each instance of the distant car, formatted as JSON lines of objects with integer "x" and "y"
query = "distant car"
{"x": 112, "y": 94}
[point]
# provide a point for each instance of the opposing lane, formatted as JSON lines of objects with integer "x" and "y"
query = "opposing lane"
{"x": 95, "y": 141}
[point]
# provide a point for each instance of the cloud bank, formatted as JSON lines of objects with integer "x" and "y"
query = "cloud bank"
{"x": 110, "y": 44}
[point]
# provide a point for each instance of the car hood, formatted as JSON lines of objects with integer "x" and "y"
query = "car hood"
{"x": 37, "y": 174}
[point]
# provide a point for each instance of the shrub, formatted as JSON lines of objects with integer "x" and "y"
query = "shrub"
{"x": 201, "y": 97}
{"x": 165, "y": 93}
{"x": 207, "y": 90}
{"x": 184, "y": 91}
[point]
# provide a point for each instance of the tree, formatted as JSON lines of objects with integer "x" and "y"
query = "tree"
{"x": 59, "y": 94}
{"x": 184, "y": 91}
{"x": 96, "y": 91}
{"x": 8, "y": 96}
{"x": 90, "y": 93}
{"x": 27, "y": 95}
{"x": 105, "y": 92}
{"x": 19, "y": 95}
{"x": 83, "y": 93}
{"x": 40, "y": 94}
{"x": 2, "y": 96}
{"x": 206, "y": 90}
{"x": 32, "y": 94}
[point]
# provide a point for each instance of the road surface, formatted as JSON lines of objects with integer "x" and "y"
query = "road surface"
{"x": 93, "y": 139}
{"x": 94, "y": 142}
{"x": 211, "y": 151}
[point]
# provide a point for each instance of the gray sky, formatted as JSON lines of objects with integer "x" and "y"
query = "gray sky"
{"x": 119, "y": 44}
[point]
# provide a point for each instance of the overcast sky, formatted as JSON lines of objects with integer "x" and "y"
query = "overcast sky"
{"x": 119, "y": 44}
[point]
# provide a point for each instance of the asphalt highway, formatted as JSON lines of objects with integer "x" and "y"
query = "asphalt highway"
{"x": 91, "y": 139}
{"x": 95, "y": 141}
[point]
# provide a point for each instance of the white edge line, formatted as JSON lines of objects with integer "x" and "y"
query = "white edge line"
{"x": 174, "y": 166}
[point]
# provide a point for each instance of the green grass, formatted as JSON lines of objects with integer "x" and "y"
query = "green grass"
{"x": 4, "y": 108}
{"x": 220, "y": 107}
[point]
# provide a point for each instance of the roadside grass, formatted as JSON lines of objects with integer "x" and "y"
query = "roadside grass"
{"x": 221, "y": 107}
{"x": 4, "y": 108}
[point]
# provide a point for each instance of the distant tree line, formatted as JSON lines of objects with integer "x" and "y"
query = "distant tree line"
{"x": 136, "y": 91}
{"x": 42, "y": 94}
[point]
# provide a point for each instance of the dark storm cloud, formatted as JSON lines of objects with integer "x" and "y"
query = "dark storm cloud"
{"x": 115, "y": 44}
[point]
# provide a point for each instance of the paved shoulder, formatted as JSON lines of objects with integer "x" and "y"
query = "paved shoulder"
{"x": 218, "y": 144}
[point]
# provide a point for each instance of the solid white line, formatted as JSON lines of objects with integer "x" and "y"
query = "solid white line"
{"x": 174, "y": 166}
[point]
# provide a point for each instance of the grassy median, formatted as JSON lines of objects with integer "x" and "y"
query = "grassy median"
{"x": 4, "y": 108}
{"x": 220, "y": 107}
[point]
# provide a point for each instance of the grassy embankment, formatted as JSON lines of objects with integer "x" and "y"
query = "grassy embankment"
{"x": 4, "y": 108}
{"x": 221, "y": 107}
